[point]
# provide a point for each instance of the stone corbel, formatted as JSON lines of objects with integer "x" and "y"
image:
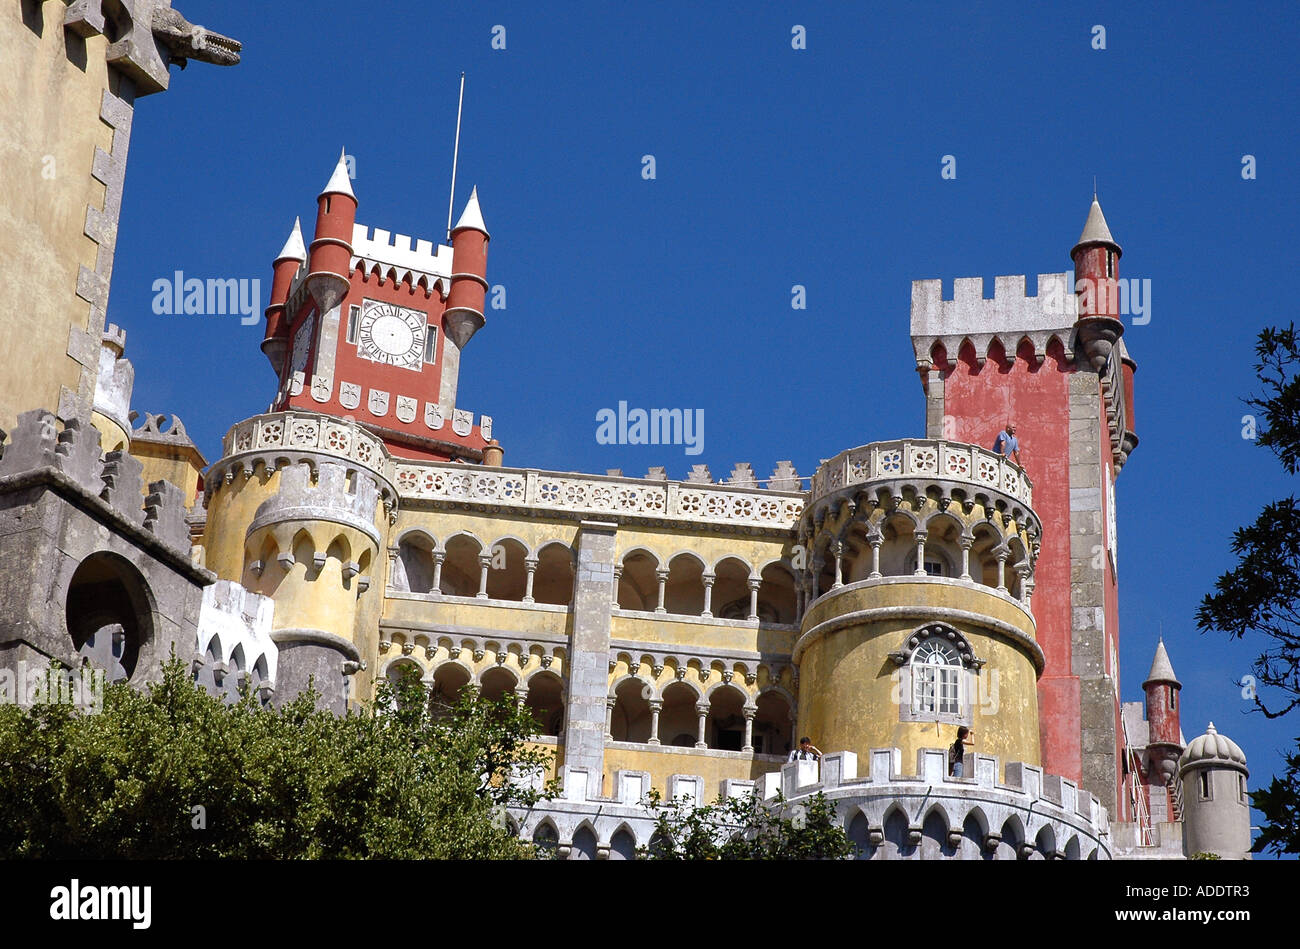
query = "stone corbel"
{"x": 350, "y": 569}
{"x": 286, "y": 560}
{"x": 318, "y": 561}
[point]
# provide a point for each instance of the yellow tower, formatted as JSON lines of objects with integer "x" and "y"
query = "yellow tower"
{"x": 921, "y": 564}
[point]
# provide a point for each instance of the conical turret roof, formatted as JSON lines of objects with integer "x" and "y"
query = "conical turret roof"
{"x": 340, "y": 182}
{"x": 1161, "y": 668}
{"x": 294, "y": 249}
{"x": 472, "y": 216}
{"x": 1095, "y": 229}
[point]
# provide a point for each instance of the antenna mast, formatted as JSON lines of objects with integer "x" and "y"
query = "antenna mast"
{"x": 451, "y": 201}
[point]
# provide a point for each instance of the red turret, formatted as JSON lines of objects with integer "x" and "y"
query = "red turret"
{"x": 285, "y": 267}
{"x": 469, "y": 239}
{"x": 331, "y": 250}
{"x": 1096, "y": 281}
{"x": 1165, "y": 741}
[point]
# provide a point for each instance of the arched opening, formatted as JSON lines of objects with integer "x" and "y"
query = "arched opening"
{"x": 773, "y": 724}
{"x": 859, "y": 835}
{"x": 1044, "y": 844}
{"x": 934, "y": 837}
{"x": 460, "y": 569}
{"x": 776, "y": 595}
{"x": 496, "y": 683}
{"x": 304, "y": 553}
{"x": 678, "y": 722}
{"x": 403, "y": 677}
{"x": 983, "y": 562}
{"x": 448, "y": 681}
{"x": 638, "y": 585}
{"x": 109, "y": 614}
{"x": 631, "y": 718}
{"x": 725, "y": 727}
{"x": 898, "y": 545}
{"x": 584, "y": 844}
{"x": 553, "y": 582}
{"x": 730, "y": 598}
{"x": 546, "y": 701}
{"x": 942, "y": 550}
{"x": 622, "y": 846}
{"x": 413, "y": 570}
{"x": 1013, "y": 835}
{"x": 210, "y": 673}
{"x": 507, "y": 579}
{"x": 896, "y": 845}
{"x": 546, "y": 839}
{"x": 684, "y": 592}
{"x": 972, "y": 840}
{"x": 1072, "y": 848}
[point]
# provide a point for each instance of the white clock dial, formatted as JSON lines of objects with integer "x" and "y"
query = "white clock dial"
{"x": 392, "y": 334}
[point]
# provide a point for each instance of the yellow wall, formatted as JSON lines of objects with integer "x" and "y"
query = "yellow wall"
{"x": 49, "y": 129}
{"x": 851, "y": 700}
{"x": 713, "y": 766}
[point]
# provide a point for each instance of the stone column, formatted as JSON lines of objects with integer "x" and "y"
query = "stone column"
{"x": 709, "y": 579}
{"x": 438, "y": 557}
{"x": 965, "y": 543}
{"x": 838, "y": 551}
{"x": 662, "y": 574}
{"x": 1002, "y": 556}
{"x": 656, "y": 706}
{"x": 920, "y": 552}
{"x": 484, "y": 565}
{"x": 702, "y": 710}
{"x": 530, "y": 565}
{"x": 609, "y": 716}
{"x": 876, "y": 540}
{"x": 754, "y": 584}
{"x": 588, "y": 685}
{"x": 618, "y": 575}
{"x": 749, "y": 728}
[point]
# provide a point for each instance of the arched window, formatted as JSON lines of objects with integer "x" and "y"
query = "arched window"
{"x": 936, "y": 679}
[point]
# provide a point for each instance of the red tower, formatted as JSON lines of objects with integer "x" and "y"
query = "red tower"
{"x": 1164, "y": 731}
{"x": 1053, "y": 364}
{"x": 371, "y": 326}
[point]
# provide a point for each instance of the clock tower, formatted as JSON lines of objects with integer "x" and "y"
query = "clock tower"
{"x": 370, "y": 326}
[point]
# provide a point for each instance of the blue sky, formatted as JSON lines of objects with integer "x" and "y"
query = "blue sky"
{"x": 774, "y": 167}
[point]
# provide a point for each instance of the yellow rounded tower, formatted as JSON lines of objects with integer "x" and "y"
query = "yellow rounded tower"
{"x": 920, "y": 569}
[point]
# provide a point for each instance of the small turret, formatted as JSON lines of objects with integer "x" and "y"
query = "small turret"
{"x": 284, "y": 268}
{"x": 469, "y": 240}
{"x": 1096, "y": 272}
{"x": 331, "y": 249}
{"x": 1216, "y": 810}
{"x": 1162, "y": 689}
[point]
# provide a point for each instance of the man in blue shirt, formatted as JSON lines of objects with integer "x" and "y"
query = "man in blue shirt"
{"x": 1006, "y": 444}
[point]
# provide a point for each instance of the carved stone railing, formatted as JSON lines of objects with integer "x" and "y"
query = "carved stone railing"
{"x": 308, "y": 431}
{"x": 925, "y": 459}
{"x": 596, "y": 495}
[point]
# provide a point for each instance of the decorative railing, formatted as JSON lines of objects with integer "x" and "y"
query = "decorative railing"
{"x": 925, "y": 459}
{"x": 597, "y": 495}
{"x": 307, "y": 431}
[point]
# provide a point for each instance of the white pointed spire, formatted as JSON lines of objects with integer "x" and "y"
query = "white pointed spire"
{"x": 340, "y": 182}
{"x": 294, "y": 249}
{"x": 1161, "y": 668}
{"x": 472, "y": 216}
{"x": 1095, "y": 230}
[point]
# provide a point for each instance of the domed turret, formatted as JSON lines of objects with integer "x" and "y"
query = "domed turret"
{"x": 1216, "y": 810}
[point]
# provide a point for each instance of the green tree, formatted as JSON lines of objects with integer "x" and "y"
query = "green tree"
{"x": 172, "y": 772}
{"x": 1261, "y": 594}
{"x": 746, "y": 828}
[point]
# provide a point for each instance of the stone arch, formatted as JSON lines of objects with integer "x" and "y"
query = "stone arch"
{"x": 684, "y": 590}
{"x": 553, "y": 581}
{"x": 304, "y": 551}
{"x": 545, "y": 699}
{"x": 638, "y": 584}
{"x": 730, "y": 598}
{"x": 678, "y": 721}
{"x": 584, "y": 842}
{"x": 983, "y": 560}
{"x": 1072, "y": 848}
{"x": 545, "y": 837}
{"x": 622, "y": 845}
{"x": 1013, "y": 839}
{"x": 724, "y": 728}
{"x": 934, "y": 835}
{"x": 858, "y": 831}
{"x": 898, "y": 541}
{"x": 631, "y": 718}
{"x": 776, "y": 593}
{"x": 496, "y": 682}
{"x": 460, "y": 569}
{"x": 446, "y": 683}
{"x": 507, "y": 578}
{"x": 396, "y": 670}
{"x": 110, "y": 611}
{"x": 1044, "y": 843}
{"x": 975, "y": 831}
{"x": 774, "y": 721}
{"x": 897, "y": 844}
{"x": 413, "y": 566}
{"x": 339, "y": 549}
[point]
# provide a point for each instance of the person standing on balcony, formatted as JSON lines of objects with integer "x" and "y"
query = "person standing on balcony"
{"x": 806, "y": 751}
{"x": 957, "y": 751}
{"x": 1006, "y": 444}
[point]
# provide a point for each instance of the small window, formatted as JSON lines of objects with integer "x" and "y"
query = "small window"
{"x": 936, "y": 678}
{"x": 1205, "y": 784}
{"x": 1241, "y": 788}
{"x": 934, "y": 568}
{"x": 1173, "y": 698}
{"x": 1110, "y": 264}
{"x": 431, "y": 345}
{"x": 354, "y": 317}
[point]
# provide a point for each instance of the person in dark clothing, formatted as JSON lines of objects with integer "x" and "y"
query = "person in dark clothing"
{"x": 957, "y": 751}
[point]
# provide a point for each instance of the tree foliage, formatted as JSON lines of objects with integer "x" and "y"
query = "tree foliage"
{"x": 172, "y": 772}
{"x": 1261, "y": 594}
{"x": 746, "y": 828}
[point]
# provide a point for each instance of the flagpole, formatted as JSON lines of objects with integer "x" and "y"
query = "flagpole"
{"x": 451, "y": 201}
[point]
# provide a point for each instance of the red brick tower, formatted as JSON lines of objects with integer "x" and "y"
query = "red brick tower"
{"x": 369, "y": 327}
{"x": 1164, "y": 733}
{"x": 1054, "y": 365}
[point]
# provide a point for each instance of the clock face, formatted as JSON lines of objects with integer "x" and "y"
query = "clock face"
{"x": 302, "y": 344}
{"x": 391, "y": 334}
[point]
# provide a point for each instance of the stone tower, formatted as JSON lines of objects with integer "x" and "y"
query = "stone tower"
{"x": 1216, "y": 810}
{"x": 1164, "y": 734}
{"x": 1055, "y": 365}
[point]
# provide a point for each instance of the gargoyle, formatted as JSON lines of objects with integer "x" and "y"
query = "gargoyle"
{"x": 185, "y": 41}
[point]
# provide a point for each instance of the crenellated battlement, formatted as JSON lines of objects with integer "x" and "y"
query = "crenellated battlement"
{"x": 332, "y": 492}
{"x": 1010, "y": 317}
{"x": 391, "y": 255}
{"x": 1016, "y": 813}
